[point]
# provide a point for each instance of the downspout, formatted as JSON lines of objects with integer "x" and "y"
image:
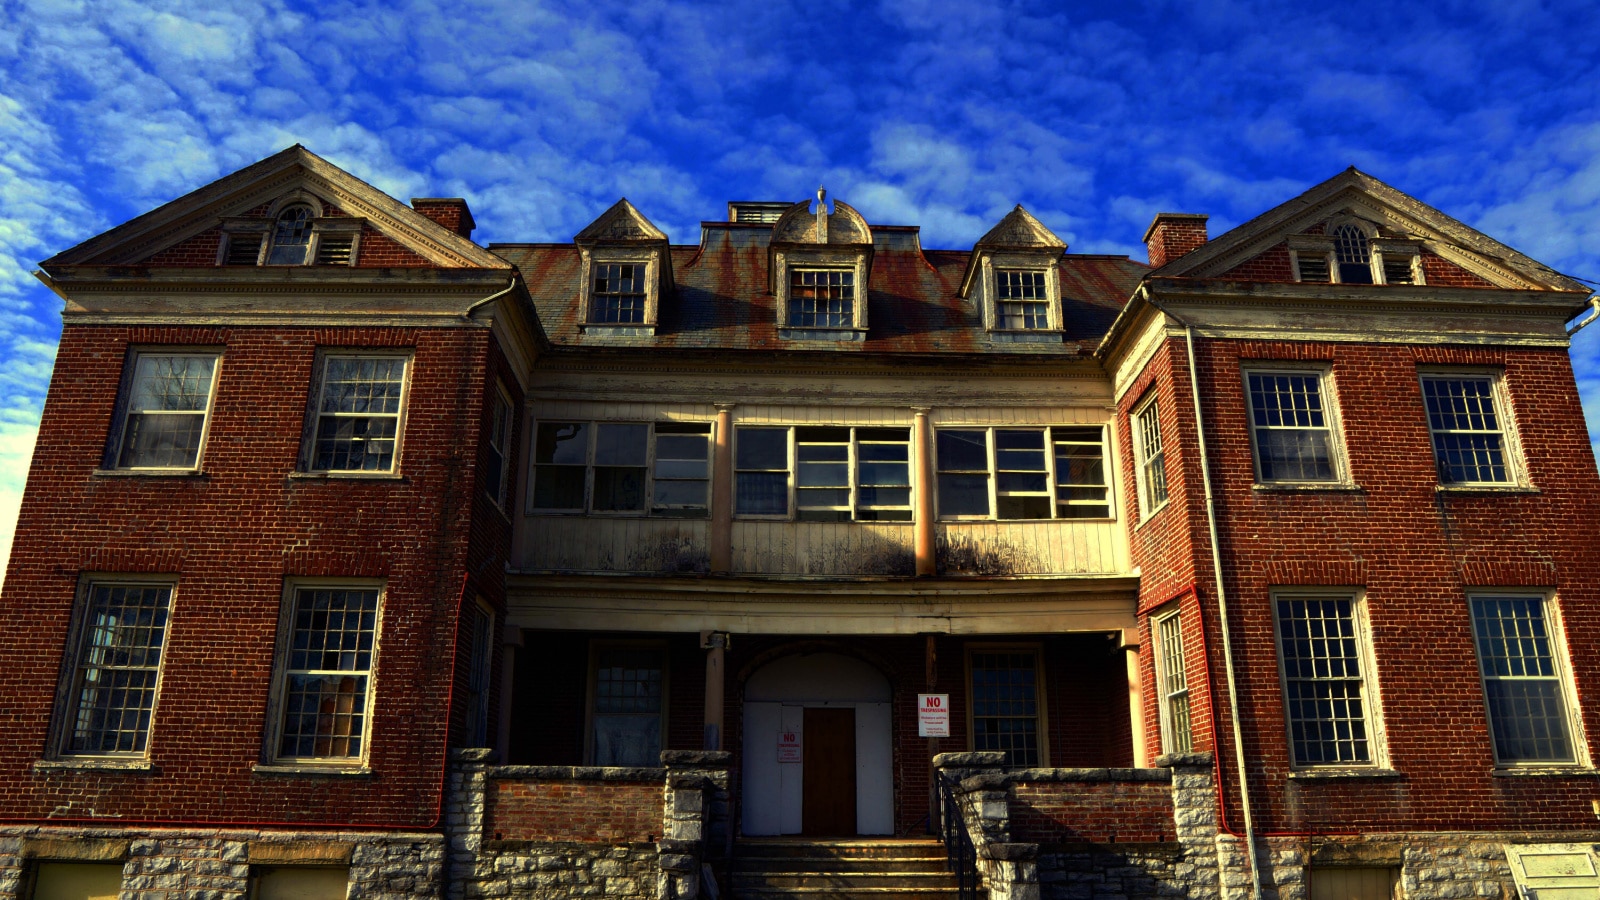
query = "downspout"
{"x": 1222, "y": 603}
{"x": 494, "y": 296}
{"x": 1594, "y": 313}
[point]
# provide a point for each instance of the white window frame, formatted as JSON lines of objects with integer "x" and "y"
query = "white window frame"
{"x": 650, "y": 509}
{"x": 1555, "y": 633}
{"x": 502, "y": 422}
{"x": 1172, "y": 681}
{"x": 854, "y": 300}
{"x": 1372, "y": 710}
{"x": 125, "y": 411}
{"x": 1051, "y": 493}
{"x": 1143, "y": 460}
{"x": 820, "y": 259}
{"x": 994, "y": 270}
{"x": 1510, "y": 444}
{"x": 314, "y": 413}
{"x": 278, "y": 697}
{"x": 1333, "y": 424}
{"x": 853, "y": 468}
{"x": 69, "y": 689}
{"x": 1325, "y": 247}
{"x": 262, "y": 230}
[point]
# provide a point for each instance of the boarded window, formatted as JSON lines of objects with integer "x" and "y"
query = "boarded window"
{"x": 1354, "y": 883}
{"x": 77, "y": 881}
{"x": 1554, "y": 871}
{"x": 299, "y": 882}
{"x": 626, "y": 705}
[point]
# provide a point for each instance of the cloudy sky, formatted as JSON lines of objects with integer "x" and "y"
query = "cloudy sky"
{"x": 942, "y": 114}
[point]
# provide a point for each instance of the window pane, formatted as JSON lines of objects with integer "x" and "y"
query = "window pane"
{"x": 359, "y": 413}
{"x": 763, "y": 448}
{"x": 627, "y": 707}
{"x": 1013, "y": 507}
{"x": 620, "y": 445}
{"x": 300, "y": 882}
{"x": 821, "y": 298}
{"x": 166, "y": 411}
{"x": 963, "y": 495}
{"x": 562, "y": 442}
{"x": 1294, "y": 441}
{"x": 1468, "y": 444}
{"x": 683, "y": 469}
{"x": 763, "y": 493}
{"x": 1081, "y": 489}
{"x": 291, "y": 237}
{"x": 558, "y": 487}
{"x": 1023, "y": 303}
{"x": 77, "y": 881}
{"x": 962, "y": 451}
{"x": 619, "y": 294}
{"x": 618, "y": 489}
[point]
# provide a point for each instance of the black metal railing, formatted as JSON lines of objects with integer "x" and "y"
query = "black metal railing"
{"x": 960, "y": 855}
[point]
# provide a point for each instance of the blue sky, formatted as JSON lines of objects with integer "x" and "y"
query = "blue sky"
{"x": 1094, "y": 116}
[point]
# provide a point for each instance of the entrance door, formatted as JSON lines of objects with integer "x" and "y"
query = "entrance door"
{"x": 829, "y": 779}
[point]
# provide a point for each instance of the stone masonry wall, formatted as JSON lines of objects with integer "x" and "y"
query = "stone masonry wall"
{"x": 210, "y": 864}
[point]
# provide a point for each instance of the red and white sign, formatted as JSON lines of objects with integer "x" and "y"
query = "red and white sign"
{"x": 788, "y": 746}
{"x": 933, "y": 715}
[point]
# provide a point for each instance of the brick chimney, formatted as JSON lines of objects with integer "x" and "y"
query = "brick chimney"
{"x": 451, "y": 212}
{"x": 1171, "y": 235}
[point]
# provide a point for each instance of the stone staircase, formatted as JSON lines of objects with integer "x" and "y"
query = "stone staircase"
{"x": 860, "y": 869}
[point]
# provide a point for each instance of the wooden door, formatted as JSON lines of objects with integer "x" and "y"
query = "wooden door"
{"x": 828, "y": 805}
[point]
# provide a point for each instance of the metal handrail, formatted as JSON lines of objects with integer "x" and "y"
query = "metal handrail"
{"x": 961, "y": 857}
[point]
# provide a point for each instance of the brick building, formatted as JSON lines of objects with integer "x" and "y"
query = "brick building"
{"x": 358, "y": 558}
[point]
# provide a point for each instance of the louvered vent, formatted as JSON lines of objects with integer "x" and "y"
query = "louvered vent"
{"x": 1313, "y": 268}
{"x": 243, "y": 249}
{"x": 1397, "y": 270}
{"x": 334, "y": 249}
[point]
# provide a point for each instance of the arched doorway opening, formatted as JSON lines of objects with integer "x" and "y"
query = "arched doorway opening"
{"x": 818, "y": 748}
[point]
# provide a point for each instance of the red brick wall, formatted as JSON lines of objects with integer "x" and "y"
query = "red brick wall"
{"x": 1097, "y": 812}
{"x": 231, "y": 535}
{"x": 605, "y": 812}
{"x": 1415, "y": 551}
{"x": 1273, "y": 265}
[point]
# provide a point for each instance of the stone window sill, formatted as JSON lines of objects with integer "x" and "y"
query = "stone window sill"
{"x": 797, "y": 333}
{"x": 1485, "y": 489}
{"x": 1026, "y": 336}
{"x": 1341, "y": 774}
{"x": 346, "y": 476}
{"x": 291, "y": 770}
{"x": 1547, "y": 772}
{"x": 608, "y": 330}
{"x": 1328, "y": 488}
{"x": 92, "y": 764}
{"x": 148, "y": 473}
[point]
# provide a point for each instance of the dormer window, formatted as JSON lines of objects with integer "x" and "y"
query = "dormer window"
{"x": 822, "y": 298}
{"x": 1012, "y": 283}
{"x": 1024, "y": 303}
{"x": 619, "y": 294}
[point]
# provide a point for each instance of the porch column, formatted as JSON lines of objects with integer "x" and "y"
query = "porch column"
{"x": 716, "y": 647}
{"x": 1130, "y": 648}
{"x": 510, "y": 640}
{"x": 722, "y": 492}
{"x": 922, "y": 457}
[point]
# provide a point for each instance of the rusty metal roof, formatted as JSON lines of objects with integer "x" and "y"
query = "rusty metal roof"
{"x": 722, "y": 300}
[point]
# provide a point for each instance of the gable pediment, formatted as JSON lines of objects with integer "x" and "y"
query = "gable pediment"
{"x": 1389, "y": 214}
{"x": 622, "y": 223}
{"x": 253, "y": 191}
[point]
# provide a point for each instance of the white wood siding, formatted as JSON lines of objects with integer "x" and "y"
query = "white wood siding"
{"x": 614, "y": 544}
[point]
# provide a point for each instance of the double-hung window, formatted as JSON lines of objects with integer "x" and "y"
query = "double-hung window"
{"x": 619, "y": 294}
{"x": 623, "y": 468}
{"x": 324, "y": 687}
{"x": 1292, "y": 424}
{"x": 167, "y": 398}
{"x": 840, "y": 473}
{"x": 1323, "y": 655}
{"x": 477, "y": 626}
{"x": 1470, "y": 445}
{"x": 1173, "y": 683}
{"x": 1023, "y": 303}
{"x": 627, "y": 704}
{"x": 1150, "y": 460}
{"x": 116, "y": 669}
{"x": 356, "y": 413}
{"x": 1007, "y": 700}
{"x": 497, "y": 465}
{"x": 1519, "y": 658}
{"x": 1023, "y": 473}
{"x": 822, "y": 298}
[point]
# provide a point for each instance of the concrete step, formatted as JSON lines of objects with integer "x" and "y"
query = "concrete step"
{"x": 930, "y": 864}
{"x": 845, "y": 881}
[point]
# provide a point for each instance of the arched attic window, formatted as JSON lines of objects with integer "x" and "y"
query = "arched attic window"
{"x": 1355, "y": 254}
{"x": 291, "y": 236}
